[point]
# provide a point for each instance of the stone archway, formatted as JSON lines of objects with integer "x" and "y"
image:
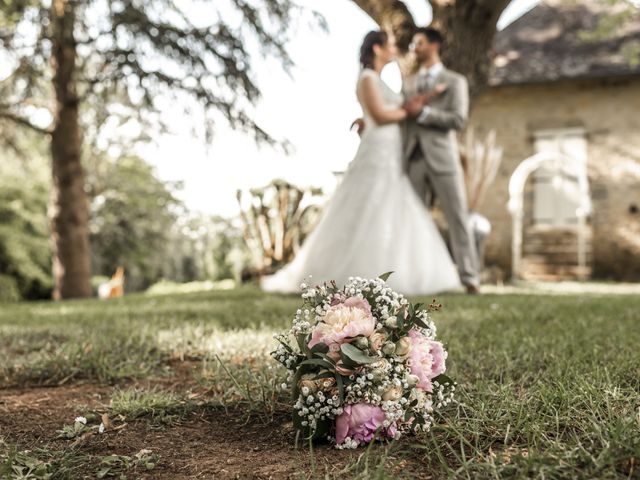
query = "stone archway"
{"x": 558, "y": 164}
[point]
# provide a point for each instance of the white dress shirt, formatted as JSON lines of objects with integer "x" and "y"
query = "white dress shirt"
{"x": 428, "y": 76}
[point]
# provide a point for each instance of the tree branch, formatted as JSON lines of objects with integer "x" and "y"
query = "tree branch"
{"x": 391, "y": 15}
{"x": 23, "y": 122}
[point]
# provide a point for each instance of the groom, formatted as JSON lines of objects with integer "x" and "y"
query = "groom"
{"x": 437, "y": 106}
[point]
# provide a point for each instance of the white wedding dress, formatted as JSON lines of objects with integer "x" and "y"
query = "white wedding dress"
{"x": 374, "y": 223}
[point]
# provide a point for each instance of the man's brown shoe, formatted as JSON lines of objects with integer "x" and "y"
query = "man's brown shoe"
{"x": 472, "y": 290}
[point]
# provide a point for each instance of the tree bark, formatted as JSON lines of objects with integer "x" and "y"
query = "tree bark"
{"x": 391, "y": 15}
{"x": 469, "y": 28}
{"x": 69, "y": 208}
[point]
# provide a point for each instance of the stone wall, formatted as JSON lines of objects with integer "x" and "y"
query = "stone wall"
{"x": 609, "y": 112}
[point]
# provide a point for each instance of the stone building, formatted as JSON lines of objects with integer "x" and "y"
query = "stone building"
{"x": 573, "y": 101}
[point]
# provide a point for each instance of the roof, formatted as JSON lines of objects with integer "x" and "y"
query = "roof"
{"x": 548, "y": 43}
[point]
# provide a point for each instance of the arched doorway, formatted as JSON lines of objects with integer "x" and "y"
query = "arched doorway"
{"x": 550, "y": 234}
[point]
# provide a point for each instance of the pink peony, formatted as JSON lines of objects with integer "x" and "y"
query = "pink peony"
{"x": 427, "y": 359}
{"x": 357, "y": 302}
{"x": 360, "y": 422}
{"x": 343, "y": 321}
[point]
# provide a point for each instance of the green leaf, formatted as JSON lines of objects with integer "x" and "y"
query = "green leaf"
{"x": 356, "y": 355}
{"x": 317, "y": 361}
{"x": 102, "y": 473}
{"x": 420, "y": 322}
{"x": 301, "y": 338}
{"x": 295, "y": 391}
{"x": 285, "y": 345}
{"x": 340, "y": 384}
{"x": 323, "y": 428}
{"x": 385, "y": 276}
{"x": 325, "y": 357}
{"x": 319, "y": 348}
{"x": 348, "y": 362}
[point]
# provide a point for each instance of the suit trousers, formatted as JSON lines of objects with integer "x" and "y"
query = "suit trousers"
{"x": 450, "y": 190}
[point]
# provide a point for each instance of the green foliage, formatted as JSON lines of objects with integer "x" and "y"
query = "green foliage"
{"x": 74, "y": 430}
{"x": 136, "y": 222}
{"x": 139, "y": 223}
{"x": 24, "y": 239}
{"x": 69, "y": 464}
{"x": 162, "y": 408}
{"x": 166, "y": 287}
{"x": 40, "y": 464}
{"x": 132, "y": 214}
{"x": 115, "y": 466}
{"x": 132, "y": 52}
{"x": 107, "y": 354}
{"x": 613, "y": 24}
{"x": 356, "y": 355}
{"x": 8, "y": 289}
{"x": 205, "y": 248}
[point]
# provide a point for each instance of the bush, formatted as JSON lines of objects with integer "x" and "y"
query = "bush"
{"x": 8, "y": 289}
{"x": 25, "y": 254}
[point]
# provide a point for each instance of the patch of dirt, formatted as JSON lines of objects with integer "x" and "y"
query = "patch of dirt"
{"x": 30, "y": 417}
{"x": 211, "y": 442}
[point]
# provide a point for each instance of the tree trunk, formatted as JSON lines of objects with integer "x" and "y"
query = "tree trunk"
{"x": 469, "y": 28}
{"x": 69, "y": 208}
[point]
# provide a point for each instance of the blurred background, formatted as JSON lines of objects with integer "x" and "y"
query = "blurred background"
{"x": 194, "y": 146}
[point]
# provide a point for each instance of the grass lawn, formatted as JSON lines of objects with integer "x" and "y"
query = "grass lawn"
{"x": 549, "y": 387}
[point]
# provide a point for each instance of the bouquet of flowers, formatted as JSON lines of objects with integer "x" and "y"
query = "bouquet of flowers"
{"x": 363, "y": 363}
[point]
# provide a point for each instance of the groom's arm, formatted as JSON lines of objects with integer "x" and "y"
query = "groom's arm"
{"x": 453, "y": 118}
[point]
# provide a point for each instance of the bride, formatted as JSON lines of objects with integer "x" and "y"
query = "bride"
{"x": 375, "y": 222}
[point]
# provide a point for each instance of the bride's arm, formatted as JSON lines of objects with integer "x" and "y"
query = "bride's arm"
{"x": 375, "y": 106}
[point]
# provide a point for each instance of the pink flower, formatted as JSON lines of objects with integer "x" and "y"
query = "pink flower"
{"x": 344, "y": 321}
{"x": 427, "y": 359}
{"x": 357, "y": 302}
{"x": 360, "y": 422}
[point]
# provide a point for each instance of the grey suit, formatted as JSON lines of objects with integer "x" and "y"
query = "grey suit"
{"x": 432, "y": 161}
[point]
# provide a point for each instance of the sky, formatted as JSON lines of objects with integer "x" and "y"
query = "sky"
{"x": 313, "y": 109}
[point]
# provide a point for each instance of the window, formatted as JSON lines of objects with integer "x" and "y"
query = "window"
{"x": 556, "y": 191}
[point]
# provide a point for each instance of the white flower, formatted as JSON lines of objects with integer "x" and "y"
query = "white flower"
{"x": 391, "y": 322}
{"x": 101, "y": 428}
{"x": 81, "y": 420}
{"x": 388, "y": 348}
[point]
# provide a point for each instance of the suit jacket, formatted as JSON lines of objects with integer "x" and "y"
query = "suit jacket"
{"x": 434, "y": 138}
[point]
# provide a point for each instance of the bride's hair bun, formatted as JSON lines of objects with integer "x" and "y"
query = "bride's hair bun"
{"x": 371, "y": 39}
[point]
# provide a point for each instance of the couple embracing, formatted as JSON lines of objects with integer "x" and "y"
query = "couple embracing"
{"x": 378, "y": 219}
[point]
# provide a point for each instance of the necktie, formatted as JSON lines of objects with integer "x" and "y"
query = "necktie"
{"x": 426, "y": 82}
